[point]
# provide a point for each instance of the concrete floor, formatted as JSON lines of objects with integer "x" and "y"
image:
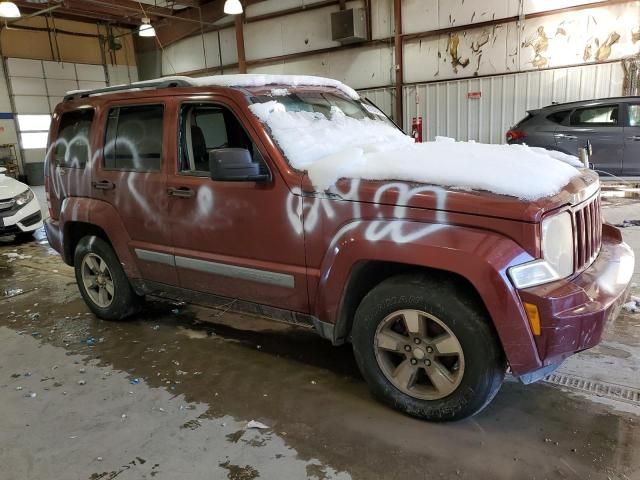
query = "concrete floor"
{"x": 169, "y": 394}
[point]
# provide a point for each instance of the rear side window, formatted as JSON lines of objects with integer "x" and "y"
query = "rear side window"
{"x": 601, "y": 116}
{"x": 559, "y": 117}
{"x": 72, "y": 147}
{"x": 634, "y": 115}
{"x": 133, "y": 139}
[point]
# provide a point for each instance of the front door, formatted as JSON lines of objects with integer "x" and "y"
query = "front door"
{"x": 600, "y": 126}
{"x": 232, "y": 238}
{"x": 631, "y": 162}
{"x": 130, "y": 176}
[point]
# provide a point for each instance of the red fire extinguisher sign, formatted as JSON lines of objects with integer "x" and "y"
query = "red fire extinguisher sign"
{"x": 416, "y": 129}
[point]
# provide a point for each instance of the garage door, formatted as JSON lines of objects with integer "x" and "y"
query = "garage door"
{"x": 37, "y": 87}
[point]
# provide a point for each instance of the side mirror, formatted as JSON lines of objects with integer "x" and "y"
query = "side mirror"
{"x": 3, "y": 170}
{"x": 234, "y": 165}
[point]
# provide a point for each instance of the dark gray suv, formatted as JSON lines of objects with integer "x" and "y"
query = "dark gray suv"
{"x": 610, "y": 125}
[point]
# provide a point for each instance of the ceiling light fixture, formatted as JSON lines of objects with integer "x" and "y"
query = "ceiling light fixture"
{"x": 9, "y": 10}
{"x": 146, "y": 29}
{"x": 232, "y": 7}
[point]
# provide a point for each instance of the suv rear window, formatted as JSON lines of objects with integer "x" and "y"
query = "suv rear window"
{"x": 73, "y": 149}
{"x": 559, "y": 117}
{"x": 601, "y": 116}
{"x": 133, "y": 139}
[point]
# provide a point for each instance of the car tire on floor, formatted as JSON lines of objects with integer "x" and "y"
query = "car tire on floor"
{"x": 102, "y": 280}
{"x": 427, "y": 349}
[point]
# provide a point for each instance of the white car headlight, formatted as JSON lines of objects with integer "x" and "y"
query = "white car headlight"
{"x": 557, "y": 243}
{"x": 557, "y": 254}
{"x": 23, "y": 198}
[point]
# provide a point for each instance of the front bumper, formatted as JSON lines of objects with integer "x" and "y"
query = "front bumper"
{"x": 25, "y": 219}
{"x": 575, "y": 312}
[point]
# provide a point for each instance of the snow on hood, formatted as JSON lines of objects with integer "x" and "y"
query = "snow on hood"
{"x": 254, "y": 80}
{"x": 345, "y": 147}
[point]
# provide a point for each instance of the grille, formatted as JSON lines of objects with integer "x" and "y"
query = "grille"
{"x": 587, "y": 221}
{"x": 8, "y": 203}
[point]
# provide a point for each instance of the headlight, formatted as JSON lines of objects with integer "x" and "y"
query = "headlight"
{"x": 24, "y": 198}
{"x": 557, "y": 254}
{"x": 557, "y": 243}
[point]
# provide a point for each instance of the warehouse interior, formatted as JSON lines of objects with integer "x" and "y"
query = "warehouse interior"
{"x": 206, "y": 388}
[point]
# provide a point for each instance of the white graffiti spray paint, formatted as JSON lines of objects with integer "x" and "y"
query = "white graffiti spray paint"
{"x": 305, "y": 212}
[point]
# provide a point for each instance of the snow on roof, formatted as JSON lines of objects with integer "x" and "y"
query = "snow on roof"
{"x": 250, "y": 80}
{"x": 345, "y": 147}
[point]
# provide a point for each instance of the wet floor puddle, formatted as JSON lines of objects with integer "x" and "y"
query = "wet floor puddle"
{"x": 311, "y": 393}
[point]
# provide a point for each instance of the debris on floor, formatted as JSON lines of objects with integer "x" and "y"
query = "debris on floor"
{"x": 257, "y": 425}
{"x": 632, "y": 306}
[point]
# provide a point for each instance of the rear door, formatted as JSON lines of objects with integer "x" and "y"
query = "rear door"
{"x": 631, "y": 162}
{"x": 232, "y": 238}
{"x": 600, "y": 126}
{"x": 130, "y": 175}
{"x": 68, "y": 160}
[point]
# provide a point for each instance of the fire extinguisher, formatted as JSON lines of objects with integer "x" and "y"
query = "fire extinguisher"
{"x": 416, "y": 129}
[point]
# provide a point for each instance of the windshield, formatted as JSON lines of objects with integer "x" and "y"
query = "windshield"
{"x": 310, "y": 126}
{"x": 326, "y": 103}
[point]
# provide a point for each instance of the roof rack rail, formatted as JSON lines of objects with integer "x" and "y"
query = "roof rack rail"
{"x": 161, "y": 83}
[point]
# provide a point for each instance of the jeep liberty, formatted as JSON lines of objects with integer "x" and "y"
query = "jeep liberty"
{"x": 175, "y": 187}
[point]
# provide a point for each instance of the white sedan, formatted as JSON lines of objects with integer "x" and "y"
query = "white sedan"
{"x": 20, "y": 213}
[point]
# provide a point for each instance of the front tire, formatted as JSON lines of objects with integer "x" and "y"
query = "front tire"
{"x": 103, "y": 284}
{"x": 426, "y": 349}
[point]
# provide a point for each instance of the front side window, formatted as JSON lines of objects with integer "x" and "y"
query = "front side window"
{"x": 602, "y": 116}
{"x": 134, "y": 138}
{"x": 634, "y": 115}
{"x": 72, "y": 147}
{"x": 205, "y": 128}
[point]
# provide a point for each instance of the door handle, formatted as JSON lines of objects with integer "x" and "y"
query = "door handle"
{"x": 103, "y": 185}
{"x": 182, "y": 192}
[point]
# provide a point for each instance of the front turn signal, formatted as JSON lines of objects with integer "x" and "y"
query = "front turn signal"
{"x": 534, "y": 318}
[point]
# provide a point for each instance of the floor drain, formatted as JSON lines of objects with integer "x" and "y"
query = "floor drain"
{"x": 595, "y": 387}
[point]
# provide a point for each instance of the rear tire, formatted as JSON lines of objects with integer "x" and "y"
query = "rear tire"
{"x": 426, "y": 349}
{"x": 101, "y": 280}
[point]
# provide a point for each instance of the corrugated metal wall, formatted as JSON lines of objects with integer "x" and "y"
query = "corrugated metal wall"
{"x": 447, "y": 110}
{"x": 384, "y": 98}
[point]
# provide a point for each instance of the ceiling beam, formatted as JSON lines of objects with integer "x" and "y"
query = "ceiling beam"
{"x": 82, "y": 15}
{"x": 204, "y": 18}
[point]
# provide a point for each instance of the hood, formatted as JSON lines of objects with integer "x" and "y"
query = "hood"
{"x": 10, "y": 187}
{"x": 474, "y": 202}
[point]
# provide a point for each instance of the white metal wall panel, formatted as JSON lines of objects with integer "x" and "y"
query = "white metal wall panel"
{"x": 31, "y": 104}
{"x": 121, "y": 74}
{"x": 61, "y": 70}
{"x": 57, "y": 87}
{"x": 89, "y": 85}
{"x": 447, "y": 110}
{"x": 28, "y": 86}
{"x": 382, "y": 97}
{"x": 93, "y": 73}
{"x": 183, "y": 56}
{"x": 34, "y": 155}
{"x": 22, "y": 67}
{"x": 262, "y": 8}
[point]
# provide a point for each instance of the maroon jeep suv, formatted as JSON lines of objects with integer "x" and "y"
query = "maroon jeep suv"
{"x": 179, "y": 187}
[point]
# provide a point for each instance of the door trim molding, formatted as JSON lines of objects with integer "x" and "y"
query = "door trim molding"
{"x": 156, "y": 257}
{"x": 232, "y": 271}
